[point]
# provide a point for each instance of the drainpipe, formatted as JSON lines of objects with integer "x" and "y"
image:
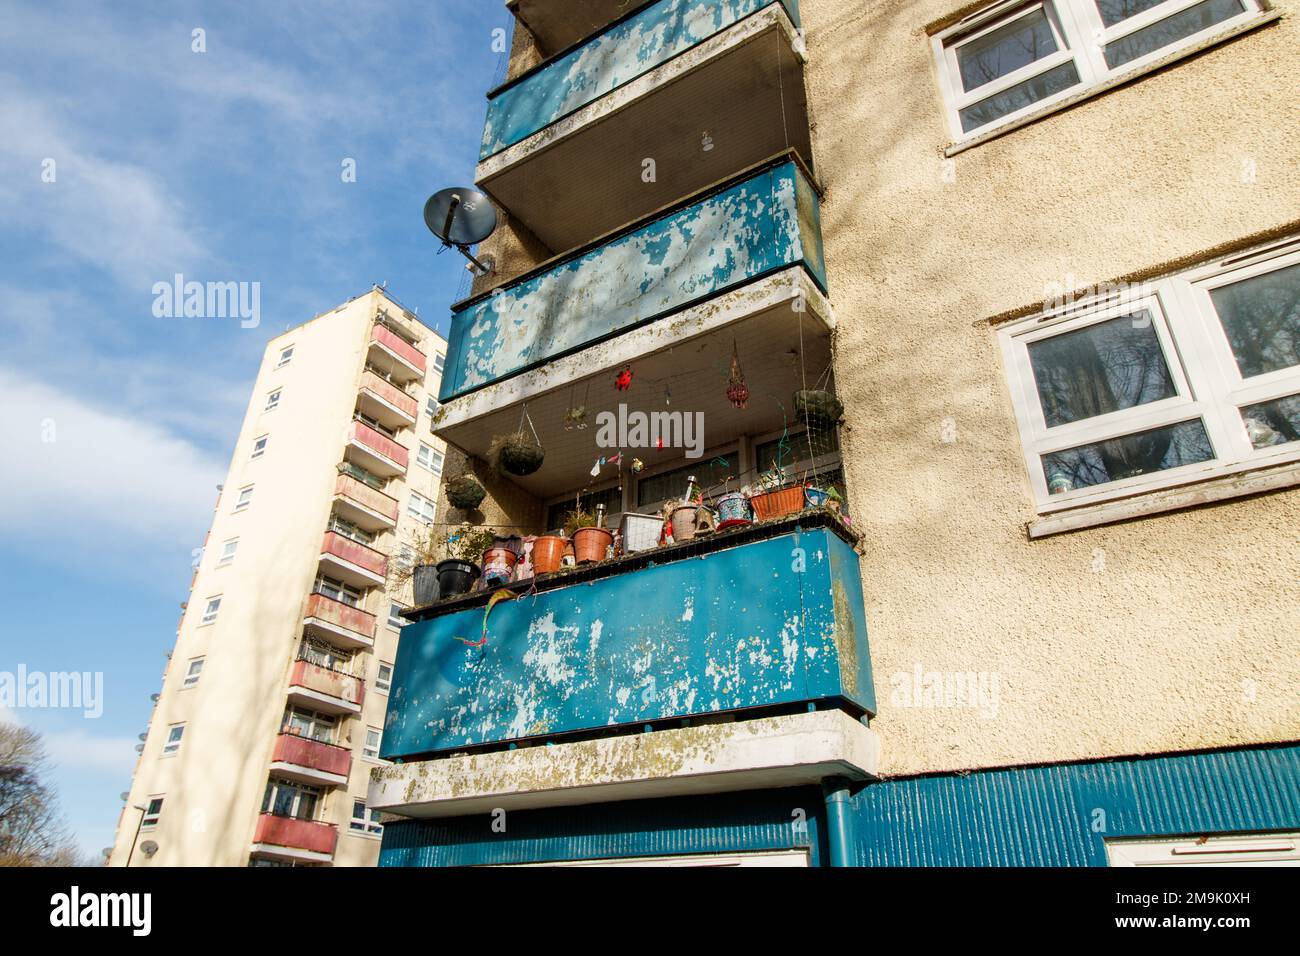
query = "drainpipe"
{"x": 839, "y": 821}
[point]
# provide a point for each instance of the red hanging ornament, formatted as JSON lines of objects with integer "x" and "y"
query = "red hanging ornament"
{"x": 624, "y": 380}
{"x": 737, "y": 390}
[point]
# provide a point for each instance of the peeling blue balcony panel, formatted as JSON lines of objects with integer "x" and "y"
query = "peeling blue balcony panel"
{"x": 764, "y": 223}
{"x": 731, "y": 823}
{"x": 607, "y": 61}
{"x": 772, "y": 622}
{"x": 1061, "y": 815}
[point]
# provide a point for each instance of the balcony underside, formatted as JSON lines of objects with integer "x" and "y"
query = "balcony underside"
{"x": 311, "y": 775}
{"x": 383, "y": 411}
{"x": 289, "y": 854}
{"x": 344, "y": 570}
{"x": 582, "y": 176}
{"x": 324, "y": 702}
{"x": 767, "y": 752}
{"x": 336, "y": 634}
{"x": 373, "y": 461}
{"x": 558, "y": 24}
{"x": 362, "y": 515}
{"x": 687, "y": 353}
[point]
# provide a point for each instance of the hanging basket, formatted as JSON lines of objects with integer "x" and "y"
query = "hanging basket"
{"x": 820, "y": 409}
{"x": 465, "y": 492}
{"x": 518, "y": 455}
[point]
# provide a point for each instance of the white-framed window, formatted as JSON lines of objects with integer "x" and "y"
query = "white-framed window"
{"x": 286, "y": 356}
{"x": 309, "y": 723}
{"x": 384, "y": 677}
{"x": 439, "y": 362}
{"x": 373, "y": 737}
{"x": 228, "y": 552}
{"x": 273, "y": 400}
{"x": 432, "y": 405}
{"x": 152, "y": 812}
{"x": 210, "y": 612}
{"x": 1189, "y": 377}
{"x": 1013, "y": 58}
{"x": 288, "y": 798}
{"x": 430, "y": 458}
{"x": 193, "y": 672}
{"x": 338, "y": 591}
{"x": 172, "y": 745}
{"x": 245, "y": 498}
{"x": 363, "y": 820}
{"x": 395, "y": 619}
{"x": 259, "y": 447}
{"x": 1229, "y": 849}
{"x": 421, "y": 508}
{"x": 405, "y": 556}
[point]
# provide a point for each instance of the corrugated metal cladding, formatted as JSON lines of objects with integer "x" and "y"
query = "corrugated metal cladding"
{"x": 729, "y": 823}
{"x": 1061, "y": 815}
{"x": 1045, "y": 816}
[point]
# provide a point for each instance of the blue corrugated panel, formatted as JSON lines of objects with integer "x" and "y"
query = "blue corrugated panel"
{"x": 607, "y": 61}
{"x": 1061, "y": 815}
{"x": 731, "y": 823}
{"x": 764, "y": 223}
{"x": 775, "y": 621}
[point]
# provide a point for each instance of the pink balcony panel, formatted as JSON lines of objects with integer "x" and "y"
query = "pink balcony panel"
{"x": 354, "y": 552}
{"x": 394, "y": 343}
{"x": 336, "y": 612}
{"x": 305, "y": 752}
{"x": 325, "y": 681}
{"x": 379, "y": 442}
{"x": 390, "y": 393}
{"x": 298, "y": 834}
{"x": 363, "y": 494}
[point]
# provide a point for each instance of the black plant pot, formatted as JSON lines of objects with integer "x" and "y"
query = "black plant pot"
{"x": 424, "y": 582}
{"x": 456, "y": 576}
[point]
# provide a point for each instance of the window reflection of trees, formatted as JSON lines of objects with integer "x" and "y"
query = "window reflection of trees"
{"x": 1261, "y": 317}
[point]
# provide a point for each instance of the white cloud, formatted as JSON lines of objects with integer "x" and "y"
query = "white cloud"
{"x": 72, "y": 750}
{"x": 78, "y": 473}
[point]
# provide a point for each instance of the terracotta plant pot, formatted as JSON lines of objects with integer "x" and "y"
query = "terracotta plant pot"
{"x": 499, "y": 565}
{"x": 684, "y": 518}
{"x": 774, "y": 504}
{"x": 590, "y": 544}
{"x": 548, "y": 553}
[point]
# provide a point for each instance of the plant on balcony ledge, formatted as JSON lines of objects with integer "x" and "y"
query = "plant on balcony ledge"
{"x": 444, "y": 564}
{"x": 590, "y": 541}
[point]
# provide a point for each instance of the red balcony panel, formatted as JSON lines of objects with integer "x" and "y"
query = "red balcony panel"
{"x": 390, "y": 393}
{"x": 368, "y": 497}
{"x": 325, "y": 681}
{"x": 298, "y": 834}
{"x": 354, "y": 552}
{"x": 345, "y": 616}
{"x": 305, "y": 752}
{"x": 379, "y": 442}
{"x": 394, "y": 343}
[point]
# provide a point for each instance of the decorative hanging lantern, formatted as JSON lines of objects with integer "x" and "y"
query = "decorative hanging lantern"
{"x": 737, "y": 390}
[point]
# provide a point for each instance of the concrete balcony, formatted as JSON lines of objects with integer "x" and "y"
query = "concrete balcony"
{"x": 352, "y": 562}
{"x": 559, "y": 24}
{"x": 704, "y": 87}
{"x": 311, "y": 761}
{"x": 338, "y": 623}
{"x": 385, "y": 402}
{"x": 289, "y": 838}
{"x": 364, "y": 506}
{"x": 329, "y": 691}
{"x": 747, "y": 622}
{"x": 389, "y": 351}
{"x": 375, "y": 451}
{"x": 739, "y": 264}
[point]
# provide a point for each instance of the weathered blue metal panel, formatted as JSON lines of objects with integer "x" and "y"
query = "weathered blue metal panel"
{"x": 764, "y": 223}
{"x": 731, "y": 823}
{"x": 607, "y": 61}
{"x": 1061, "y": 815}
{"x": 776, "y": 621}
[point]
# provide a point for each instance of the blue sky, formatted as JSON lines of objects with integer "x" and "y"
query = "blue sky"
{"x": 223, "y": 165}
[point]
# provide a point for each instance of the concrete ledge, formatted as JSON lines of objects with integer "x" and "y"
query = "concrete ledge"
{"x": 795, "y": 750}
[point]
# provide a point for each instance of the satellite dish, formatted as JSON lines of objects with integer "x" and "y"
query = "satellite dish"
{"x": 124, "y": 794}
{"x": 461, "y": 217}
{"x": 139, "y": 748}
{"x": 144, "y": 736}
{"x": 154, "y": 697}
{"x": 148, "y": 848}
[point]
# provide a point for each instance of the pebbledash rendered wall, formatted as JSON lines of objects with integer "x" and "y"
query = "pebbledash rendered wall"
{"x": 1175, "y": 632}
